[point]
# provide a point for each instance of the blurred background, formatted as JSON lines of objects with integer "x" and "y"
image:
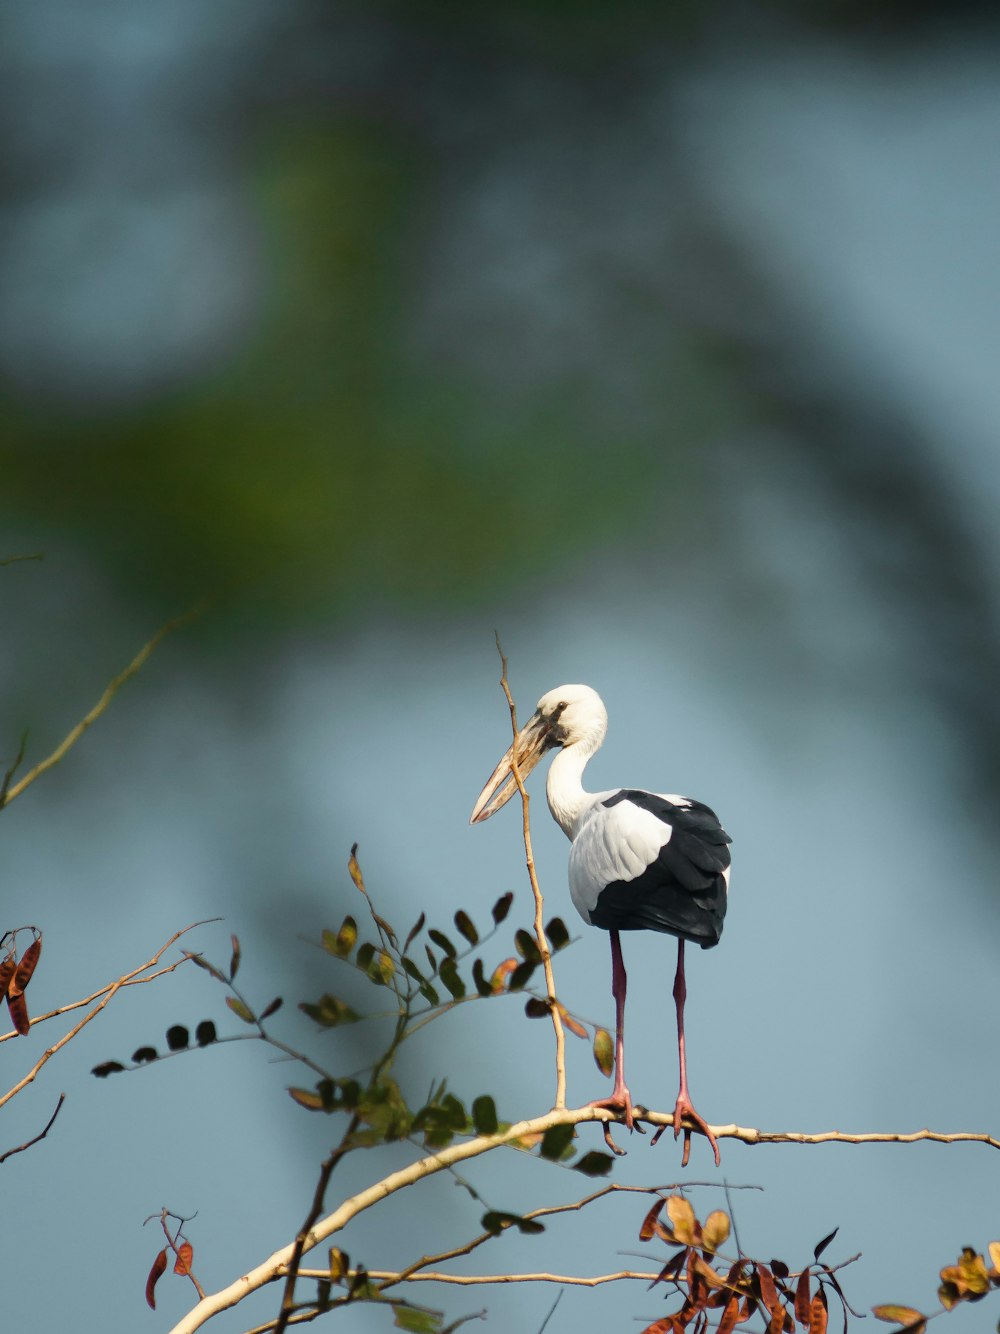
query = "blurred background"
{"x": 662, "y": 339}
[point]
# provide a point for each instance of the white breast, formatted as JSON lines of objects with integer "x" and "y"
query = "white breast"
{"x": 611, "y": 844}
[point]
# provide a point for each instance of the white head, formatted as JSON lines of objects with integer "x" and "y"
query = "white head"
{"x": 567, "y": 716}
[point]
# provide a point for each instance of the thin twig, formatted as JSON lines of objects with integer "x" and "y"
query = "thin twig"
{"x": 543, "y": 945}
{"x": 131, "y": 981}
{"x": 92, "y": 1014}
{"x": 41, "y": 1134}
{"x": 112, "y": 688}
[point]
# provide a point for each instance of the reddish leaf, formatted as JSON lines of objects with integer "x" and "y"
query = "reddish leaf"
{"x": 802, "y": 1299}
{"x": 159, "y": 1265}
{"x": 185, "y": 1254}
{"x": 649, "y": 1222}
{"x": 769, "y": 1292}
{"x": 18, "y": 1007}
{"x": 671, "y": 1269}
{"x": 730, "y": 1315}
{"x": 23, "y": 971}
{"x": 572, "y": 1024}
{"x": 234, "y": 959}
{"x": 818, "y": 1314}
{"x": 415, "y": 931}
{"x": 273, "y": 1008}
{"x": 501, "y": 973}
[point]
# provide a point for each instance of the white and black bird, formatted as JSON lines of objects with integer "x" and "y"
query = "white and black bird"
{"x": 639, "y": 861}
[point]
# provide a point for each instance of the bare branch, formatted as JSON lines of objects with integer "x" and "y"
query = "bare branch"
{"x": 543, "y": 945}
{"x": 112, "y": 688}
{"x": 433, "y": 1276}
{"x": 41, "y": 1134}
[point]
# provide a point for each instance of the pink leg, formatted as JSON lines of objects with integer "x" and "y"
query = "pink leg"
{"x": 684, "y": 1107}
{"x": 621, "y": 1098}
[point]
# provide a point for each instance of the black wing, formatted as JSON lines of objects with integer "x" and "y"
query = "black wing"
{"x": 683, "y": 891}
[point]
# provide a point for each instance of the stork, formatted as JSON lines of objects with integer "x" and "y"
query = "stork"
{"x": 638, "y": 861}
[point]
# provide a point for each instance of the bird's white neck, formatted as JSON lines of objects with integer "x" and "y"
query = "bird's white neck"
{"x": 564, "y": 786}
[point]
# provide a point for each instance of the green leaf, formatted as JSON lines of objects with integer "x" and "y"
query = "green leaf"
{"x": 464, "y": 926}
{"x": 412, "y": 969}
{"x": 556, "y": 1141}
{"x": 442, "y": 941}
{"x": 431, "y": 959}
{"x": 521, "y": 975}
{"x": 449, "y": 976}
{"x": 484, "y": 1115}
{"x": 502, "y": 907}
{"x": 526, "y": 945}
{"x": 901, "y": 1315}
{"x": 458, "y": 1117}
{"x": 594, "y": 1164}
{"x": 344, "y": 941}
{"x": 365, "y": 955}
{"x": 558, "y": 934}
{"x": 530, "y": 1226}
{"x": 350, "y": 1093}
{"x": 535, "y": 1008}
{"x": 429, "y": 994}
{"x": 240, "y": 1010}
{"x": 479, "y": 977}
{"x": 416, "y": 1319}
{"x": 329, "y": 1011}
{"x": 604, "y": 1051}
{"x": 496, "y": 1221}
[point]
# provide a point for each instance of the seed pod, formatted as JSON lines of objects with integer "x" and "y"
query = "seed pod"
{"x": 23, "y": 971}
{"x": 6, "y": 973}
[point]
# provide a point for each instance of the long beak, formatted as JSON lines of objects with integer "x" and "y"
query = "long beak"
{"x": 533, "y": 740}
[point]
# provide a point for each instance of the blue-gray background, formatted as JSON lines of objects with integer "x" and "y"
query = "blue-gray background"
{"x": 665, "y": 341}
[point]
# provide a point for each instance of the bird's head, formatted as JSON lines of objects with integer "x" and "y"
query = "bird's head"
{"x": 565, "y": 716}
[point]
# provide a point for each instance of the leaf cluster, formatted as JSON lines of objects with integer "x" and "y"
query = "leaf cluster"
{"x": 737, "y": 1289}
{"x": 969, "y": 1279}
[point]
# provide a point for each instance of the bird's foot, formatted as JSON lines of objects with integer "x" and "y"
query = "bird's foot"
{"x": 684, "y": 1110}
{"x": 620, "y": 1101}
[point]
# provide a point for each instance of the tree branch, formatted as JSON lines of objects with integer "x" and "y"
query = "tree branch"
{"x": 41, "y": 1134}
{"x": 112, "y": 688}
{"x": 108, "y": 993}
{"x": 276, "y": 1265}
{"x": 543, "y": 944}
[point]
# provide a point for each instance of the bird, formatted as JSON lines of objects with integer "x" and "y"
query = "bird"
{"x": 638, "y": 861}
